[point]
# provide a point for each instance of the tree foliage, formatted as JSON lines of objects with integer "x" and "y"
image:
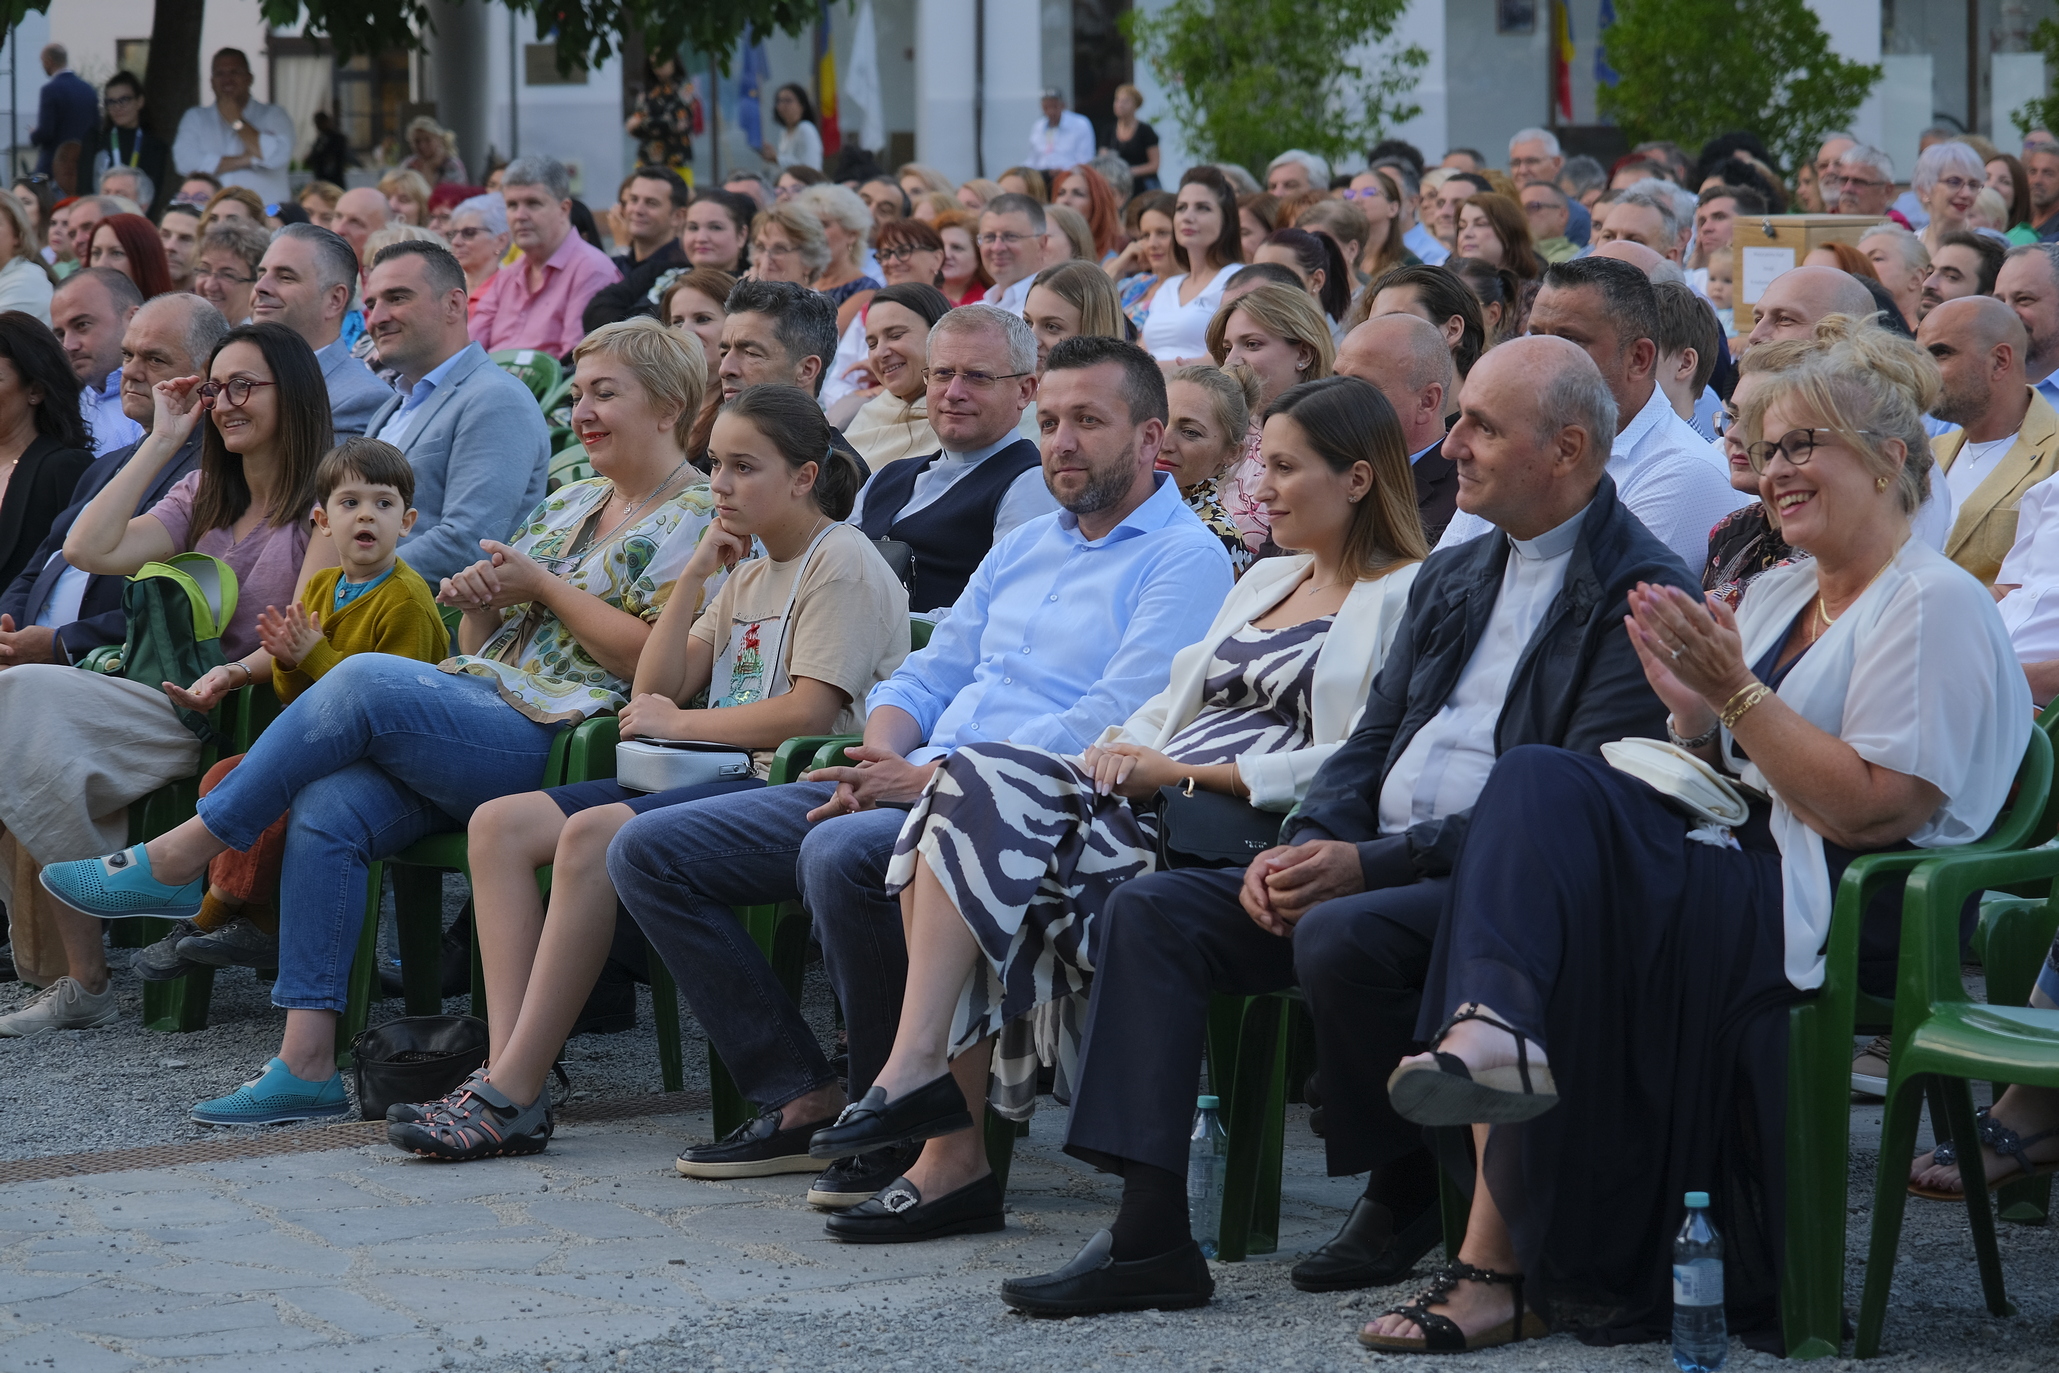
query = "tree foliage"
{"x": 1692, "y": 69}
{"x": 2043, "y": 112}
{"x": 1249, "y": 79}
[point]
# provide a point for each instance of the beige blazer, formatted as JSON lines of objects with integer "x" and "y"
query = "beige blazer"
{"x": 1986, "y": 528}
{"x": 1344, "y": 669}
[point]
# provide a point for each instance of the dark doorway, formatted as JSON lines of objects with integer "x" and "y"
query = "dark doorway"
{"x": 1100, "y": 61}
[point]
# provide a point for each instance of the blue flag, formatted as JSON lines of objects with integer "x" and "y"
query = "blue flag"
{"x": 1604, "y": 74}
{"x": 751, "y": 79}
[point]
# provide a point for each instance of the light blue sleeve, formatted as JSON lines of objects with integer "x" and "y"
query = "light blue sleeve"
{"x": 1174, "y": 607}
{"x": 494, "y": 476}
{"x": 928, "y": 681}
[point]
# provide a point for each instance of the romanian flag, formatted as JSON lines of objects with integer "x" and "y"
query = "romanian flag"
{"x": 825, "y": 87}
{"x": 1562, "y": 61}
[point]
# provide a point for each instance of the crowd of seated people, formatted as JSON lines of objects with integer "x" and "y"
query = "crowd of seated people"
{"x": 1355, "y": 513}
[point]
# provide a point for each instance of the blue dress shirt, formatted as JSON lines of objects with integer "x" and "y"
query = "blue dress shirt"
{"x": 395, "y": 430}
{"x": 1058, "y": 637}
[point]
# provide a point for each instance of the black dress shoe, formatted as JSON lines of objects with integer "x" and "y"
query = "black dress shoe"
{"x": 858, "y": 1179}
{"x": 1369, "y": 1251}
{"x": 758, "y": 1148}
{"x": 899, "y": 1215}
{"x": 1094, "y": 1282}
{"x": 935, "y": 1108}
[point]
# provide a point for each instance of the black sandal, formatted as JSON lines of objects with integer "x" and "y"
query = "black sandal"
{"x": 1440, "y": 1333}
{"x": 2003, "y": 1141}
{"x": 1446, "y": 1092}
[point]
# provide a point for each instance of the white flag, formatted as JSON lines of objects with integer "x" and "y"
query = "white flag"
{"x": 861, "y": 83}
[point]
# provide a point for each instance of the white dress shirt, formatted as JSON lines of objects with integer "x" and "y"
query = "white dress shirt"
{"x": 102, "y": 412}
{"x": 1013, "y": 299}
{"x": 1027, "y": 496}
{"x": 205, "y": 138}
{"x": 2030, "y": 611}
{"x": 62, "y": 606}
{"x": 1068, "y": 145}
{"x": 1447, "y": 762}
{"x": 1665, "y": 481}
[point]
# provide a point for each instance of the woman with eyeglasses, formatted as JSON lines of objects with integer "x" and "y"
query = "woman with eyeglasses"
{"x": 225, "y": 268}
{"x": 479, "y": 239}
{"x": 800, "y": 142}
{"x": 124, "y": 142}
{"x": 382, "y": 750}
{"x": 99, "y": 743}
{"x": 1949, "y": 177}
{"x": 1867, "y": 699}
{"x": 787, "y": 244}
{"x": 1378, "y": 197}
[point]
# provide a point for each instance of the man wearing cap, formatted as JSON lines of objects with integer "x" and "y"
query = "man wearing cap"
{"x": 1062, "y": 138}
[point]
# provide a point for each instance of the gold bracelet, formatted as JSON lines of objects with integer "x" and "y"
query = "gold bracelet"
{"x": 1734, "y": 712}
{"x": 1724, "y": 709}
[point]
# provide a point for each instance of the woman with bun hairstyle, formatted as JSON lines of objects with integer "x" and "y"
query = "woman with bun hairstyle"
{"x": 781, "y": 645}
{"x": 1208, "y": 411}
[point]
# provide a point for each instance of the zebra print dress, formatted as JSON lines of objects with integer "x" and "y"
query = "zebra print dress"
{"x": 1029, "y": 853}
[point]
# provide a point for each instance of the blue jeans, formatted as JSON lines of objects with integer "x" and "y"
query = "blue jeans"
{"x": 378, "y": 753}
{"x": 679, "y": 871}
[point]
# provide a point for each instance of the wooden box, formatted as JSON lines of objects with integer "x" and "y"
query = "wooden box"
{"x": 1762, "y": 246}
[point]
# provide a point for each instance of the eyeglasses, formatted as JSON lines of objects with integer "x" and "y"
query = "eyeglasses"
{"x": 124, "y": 100}
{"x": 774, "y": 249}
{"x": 902, "y": 254}
{"x": 1857, "y": 183}
{"x": 467, "y": 234}
{"x": 1366, "y": 193}
{"x": 996, "y": 240}
{"x": 974, "y": 381}
{"x": 215, "y": 274}
{"x": 237, "y": 389}
{"x": 1959, "y": 183}
{"x": 1797, "y": 446}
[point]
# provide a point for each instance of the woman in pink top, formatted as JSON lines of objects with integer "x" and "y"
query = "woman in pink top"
{"x": 78, "y": 747}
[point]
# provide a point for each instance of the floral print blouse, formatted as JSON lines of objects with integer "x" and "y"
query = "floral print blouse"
{"x": 1206, "y": 500}
{"x": 539, "y": 667}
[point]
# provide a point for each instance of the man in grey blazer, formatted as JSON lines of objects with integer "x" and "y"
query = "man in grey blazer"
{"x": 305, "y": 282}
{"x": 475, "y": 435}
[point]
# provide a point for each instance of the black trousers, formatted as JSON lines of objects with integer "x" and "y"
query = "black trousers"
{"x": 1169, "y": 939}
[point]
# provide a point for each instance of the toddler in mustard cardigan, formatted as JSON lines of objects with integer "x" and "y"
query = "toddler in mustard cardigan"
{"x": 371, "y": 603}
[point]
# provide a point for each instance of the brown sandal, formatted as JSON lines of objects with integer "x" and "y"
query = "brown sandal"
{"x": 1441, "y": 1334}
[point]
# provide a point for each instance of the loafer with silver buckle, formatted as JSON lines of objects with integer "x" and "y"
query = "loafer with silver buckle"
{"x": 899, "y": 1215}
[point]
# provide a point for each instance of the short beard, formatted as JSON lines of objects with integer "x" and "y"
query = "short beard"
{"x": 1106, "y": 487}
{"x": 1960, "y": 407}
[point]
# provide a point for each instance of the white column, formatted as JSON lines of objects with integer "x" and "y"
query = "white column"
{"x": 464, "y": 78}
{"x": 1014, "y": 81}
{"x": 1853, "y": 27}
{"x": 944, "y": 84}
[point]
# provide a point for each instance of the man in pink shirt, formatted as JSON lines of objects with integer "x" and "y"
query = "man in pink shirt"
{"x": 537, "y": 302}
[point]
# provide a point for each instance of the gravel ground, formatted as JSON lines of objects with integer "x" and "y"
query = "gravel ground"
{"x": 123, "y": 1086}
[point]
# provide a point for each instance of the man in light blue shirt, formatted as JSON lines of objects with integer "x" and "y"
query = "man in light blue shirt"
{"x": 474, "y": 435}
{"x": 1067, "y": 626}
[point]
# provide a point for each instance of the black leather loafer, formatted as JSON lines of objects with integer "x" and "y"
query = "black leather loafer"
{"x": 758, "y": 1148}
{"x": 1369, "y": 1251}
{"x": 1093, "y": 1282}
{"x": 899, "y": 1215}
{"x": 853, "y": 1181}
{"x": 935, "y": 1108}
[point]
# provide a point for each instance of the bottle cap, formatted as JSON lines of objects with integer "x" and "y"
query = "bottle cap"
{"x": 1697, "y": 1201}
{"x": 1206, "y": 1103}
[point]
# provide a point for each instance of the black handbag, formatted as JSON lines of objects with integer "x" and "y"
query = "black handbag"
{"x": 900, "y": 560}
{"x": 415, "y": 1058}
{"x": 1206, "y": 829}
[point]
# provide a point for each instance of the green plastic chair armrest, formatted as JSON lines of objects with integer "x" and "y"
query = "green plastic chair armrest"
{"x": 798, "y": 754}
{"x": 106, "y": 659}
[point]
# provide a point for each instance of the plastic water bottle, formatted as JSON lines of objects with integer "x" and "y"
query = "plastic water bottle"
{"x": 1208, "y": 1159}
{"x": 1701, "y": 1342}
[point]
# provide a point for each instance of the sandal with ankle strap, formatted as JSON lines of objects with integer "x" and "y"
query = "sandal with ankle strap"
{"x": 1440, "y": 1333}
{"x": 2003, "y": 1141}
{"x": 1446, "y": 1092}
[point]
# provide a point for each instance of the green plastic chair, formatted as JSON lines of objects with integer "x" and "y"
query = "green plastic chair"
{"x": 1942, "y": 1038}
{"x": 568, "y": 465}
{"x": 2012, "y": 940}
{"x": 180, "y": 1005}
{"x": 539, "y": 372}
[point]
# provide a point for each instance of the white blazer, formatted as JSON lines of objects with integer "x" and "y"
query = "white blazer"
{"x": 1351, "y": 653}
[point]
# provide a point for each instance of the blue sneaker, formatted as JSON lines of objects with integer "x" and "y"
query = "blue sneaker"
{"x": 275, "y": 1097}
{"x": 119, "y": 887}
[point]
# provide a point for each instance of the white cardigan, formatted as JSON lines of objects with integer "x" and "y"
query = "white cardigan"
{"x": 1352, "y": 652}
